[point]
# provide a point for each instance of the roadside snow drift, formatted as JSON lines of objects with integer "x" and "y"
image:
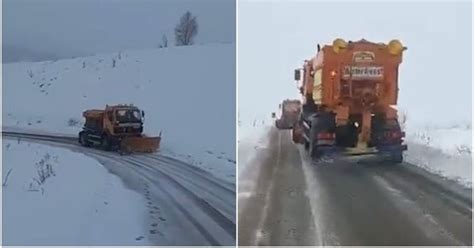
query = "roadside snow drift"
{"x": 443, "y": 151}
{"x": 52, "y": 196}
{"x": 253, "y": 138}
{"x": 187, "y": 93}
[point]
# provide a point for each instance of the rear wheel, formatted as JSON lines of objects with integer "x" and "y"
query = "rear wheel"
{"x": 105, "y": 143}
{"x": 379, "y": 127}
{"x": 83, "y": 139}
{"x": 396, "y": 157}
{"x": 323, "y": 122}
{"x": 306, "y": 145}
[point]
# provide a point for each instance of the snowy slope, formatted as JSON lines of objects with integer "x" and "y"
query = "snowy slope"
{"x": 188, "y": 93}
{"x": 76, "y": 204}
{"x": 446, "y": 151}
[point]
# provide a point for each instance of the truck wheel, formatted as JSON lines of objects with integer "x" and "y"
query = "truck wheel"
{"x": 83, "y": 139}
{"x": 396, "y": 157}
{"x": 80, "y": 138}
{"x": 306, "y": 145}
{"x": 105, "y": 143}
{"x": 323, "y": 122}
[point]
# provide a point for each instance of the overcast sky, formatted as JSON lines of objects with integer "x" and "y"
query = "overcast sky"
{"x": 275, "y": 37}
{"x": 49, "y": 29}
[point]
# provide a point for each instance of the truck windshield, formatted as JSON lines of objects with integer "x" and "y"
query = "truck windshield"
{"x": 128, "y": 115}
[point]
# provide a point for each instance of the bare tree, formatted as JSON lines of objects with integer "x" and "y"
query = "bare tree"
{"x": 164, "y": 41}
{"x": 186, "y": 30}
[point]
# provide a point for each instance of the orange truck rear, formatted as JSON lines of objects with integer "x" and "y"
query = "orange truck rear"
{"x": 349, "y": 90}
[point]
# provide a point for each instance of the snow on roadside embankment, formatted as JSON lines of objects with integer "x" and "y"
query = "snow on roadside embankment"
{"x": 253, "y": 137}
{"x": 55, "y": 194}
{"x": 443, "y": 151}
{"x": 187, "y": 93}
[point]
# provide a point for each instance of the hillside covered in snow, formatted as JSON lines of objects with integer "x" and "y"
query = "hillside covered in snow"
{"x": 187, "y": 93}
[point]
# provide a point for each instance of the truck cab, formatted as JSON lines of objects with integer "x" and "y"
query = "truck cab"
{"x": 125, "y": 120}
{"x": 109, "y": 126}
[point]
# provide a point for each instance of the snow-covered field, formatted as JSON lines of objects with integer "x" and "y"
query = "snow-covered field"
{"x": 57, "y": 197}
{"x": 187, "y": 93}
{"x": 446, "y": 151}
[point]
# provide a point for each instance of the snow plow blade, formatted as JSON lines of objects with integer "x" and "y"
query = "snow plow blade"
{"x": 140, "y": 144}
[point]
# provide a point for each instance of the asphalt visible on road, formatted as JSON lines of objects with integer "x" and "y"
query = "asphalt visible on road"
{"x": 347, "y": 201}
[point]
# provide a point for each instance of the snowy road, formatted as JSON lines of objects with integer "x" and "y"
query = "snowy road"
{"x": 285, "y": 199}
{"x": 186, "y": 205}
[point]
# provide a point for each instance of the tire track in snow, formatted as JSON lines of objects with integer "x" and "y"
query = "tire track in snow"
{"x": 195, "y": 171}
{"x": 225, "y": 222}
{"x": 217, "y": 197}
{"x": 179, "y": 205}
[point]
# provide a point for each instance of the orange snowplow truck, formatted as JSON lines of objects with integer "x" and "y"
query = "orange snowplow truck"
{"x": 289, "y": 113}
{"x": 118, "y": 127}
{"x": 349, "y": 90}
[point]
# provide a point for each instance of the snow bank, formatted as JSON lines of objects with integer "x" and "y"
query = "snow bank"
{"x": 188, "y": 93}
{"x": 443, "y": 151}
{"x": 219, "y": 164}
{"x": 250, "y": 141}
{"x": 253, "y": 139}
{"x": 53, "y": 196}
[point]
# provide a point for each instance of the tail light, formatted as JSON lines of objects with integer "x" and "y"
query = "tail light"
{"x": 326, "y": 136}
